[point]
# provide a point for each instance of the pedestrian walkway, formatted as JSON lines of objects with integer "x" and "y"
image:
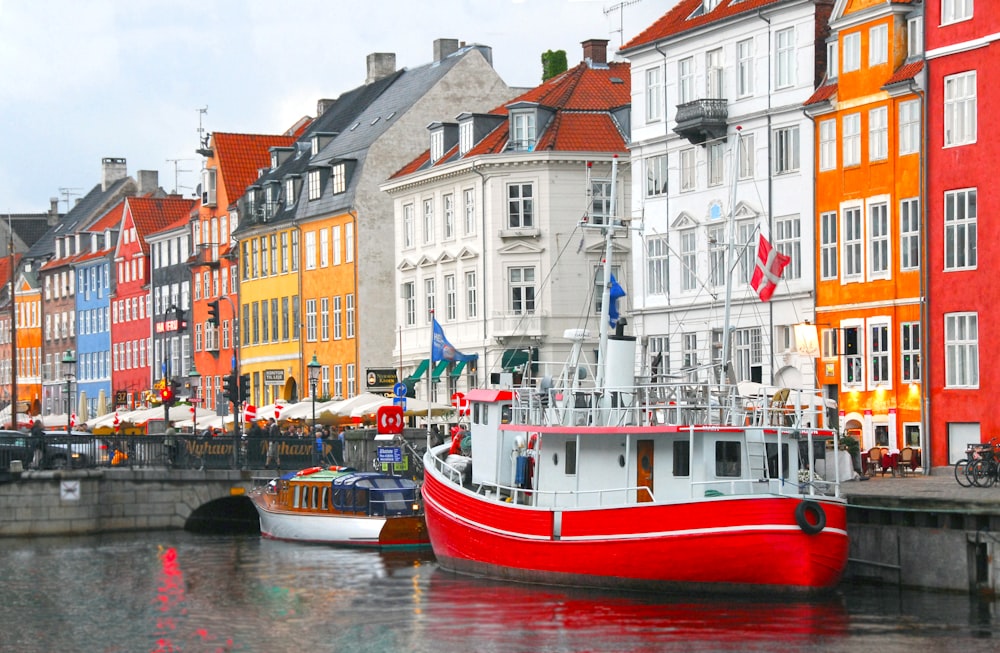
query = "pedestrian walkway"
{"x": 939, "y": 491}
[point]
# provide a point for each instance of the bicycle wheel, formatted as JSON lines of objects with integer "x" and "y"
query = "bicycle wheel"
{"x": 962, "y": 473}
{"x": 982, "y": 474}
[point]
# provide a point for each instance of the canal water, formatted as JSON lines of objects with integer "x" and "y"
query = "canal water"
{"x": 177, "y": 591}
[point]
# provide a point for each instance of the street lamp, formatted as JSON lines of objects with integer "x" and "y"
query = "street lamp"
{"x": 314, "y": 368}
{"x": 69, "y": 371}
{"x": 194, "y": 380}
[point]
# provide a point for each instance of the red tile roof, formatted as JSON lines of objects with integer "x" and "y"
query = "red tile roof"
{"x": 824, "y": 92}
{"x": 152, "y": 215}
{"x": 240, "y": 156}
{"x": 5, "y": 267}
{"x": 906, "y": 72}
{"x": 681, "y": 18}
{"x": 581, "y": 99}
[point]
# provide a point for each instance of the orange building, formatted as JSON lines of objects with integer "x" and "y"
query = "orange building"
{"x": 868, "y": 158}
{"x": 28, "y": 357}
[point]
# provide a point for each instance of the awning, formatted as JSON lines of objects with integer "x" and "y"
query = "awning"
{"x": 513, "y": 358}
{"x": 439, "y": 369}
{"x": 458, "y": 369}
{"x": 420, "y": 371}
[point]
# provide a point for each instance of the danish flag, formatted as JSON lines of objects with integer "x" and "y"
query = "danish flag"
{"x": 767, "y": 272}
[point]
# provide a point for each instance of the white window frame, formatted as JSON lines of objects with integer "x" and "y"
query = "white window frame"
{"x": 654, "y": 94}
{"x": 744, "y": 68}
{"x": 915, "y": 36}
{"x": 688, "y": 169}
{"x": 471, "y": 294}
{"x": 852, "y": 373}
{"x": 828, "y": 144}
{"x": 961, "y": 350}
{"x": 520, "y": 205}
{"x": 828, "y": 254}
{"x": 852, "y": 261}
{"x": 716, "y": 164}
{"x": 851, "y": 128}
{"x": 879, "y": 243}
{"x": 909, "y": 352}
{"x": 715, "y": 83}
{"x": 313, "y": 184}
{"x": 909, "y": 233}
{"x": 960, "y": 111}
{"x": 428, "y": 221}
{"x": 852, "y": 52}
{"x": 878, "y": 45}
{"x": 787, "y": 234}
{"x": 747, "y": 168}
{"x": 689, "y": 259}
{"x": 784, "y": 60}
{"x": 657, "y": 264}
{"x": 909, "y": 127}
{"x": 831, "y": 60}
{"x": 878, "y": 134}
{"x": 785, "y": 150}
{"x": 522, "y": 290}
{"x": 656, "y": 175}
{"x": 879, "y": 344}
{"x": 954, "y": 11}
{"x": 685, "y": 80}
{"x": 407, "y": 226}
{"x": 960, "y": 229}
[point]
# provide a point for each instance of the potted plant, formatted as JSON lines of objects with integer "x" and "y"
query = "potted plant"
{"x": 852, "y": 446}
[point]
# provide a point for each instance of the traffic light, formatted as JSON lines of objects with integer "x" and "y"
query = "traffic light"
{"x": 167, "y": 396}
{"x": 229, "y": 387}
{"x": 213, "y": 312}
{"x": 244, "y": 387}
{"x": 175, "y": 387}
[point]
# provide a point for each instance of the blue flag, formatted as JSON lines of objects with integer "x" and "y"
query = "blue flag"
{"x": 442, "y": 350}
{"x": 617, "y": 292}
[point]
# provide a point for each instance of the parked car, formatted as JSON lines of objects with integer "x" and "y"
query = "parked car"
{"x": 15, "y": 445}
{"x": 86, "y": 449}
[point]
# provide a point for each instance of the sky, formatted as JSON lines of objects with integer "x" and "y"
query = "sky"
{"x": 85, "y": 80}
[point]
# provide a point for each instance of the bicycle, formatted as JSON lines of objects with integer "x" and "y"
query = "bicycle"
{"x": 981, "y": 466}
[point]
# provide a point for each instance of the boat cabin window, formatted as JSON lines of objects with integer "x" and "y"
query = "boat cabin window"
{"x": 295, "y": 496}
{"x": 360, "y": 500}
{"x": 324, "y": 503}
{"x": 727, "y": 458}
{"x": 505, "y": 414}
{"x": 772, "y": 460}
{"x": 476, "y": 407}
{"x": 570, "y": 458}
{"x": 682, "y": 458}
{"x": 315, "y": 497}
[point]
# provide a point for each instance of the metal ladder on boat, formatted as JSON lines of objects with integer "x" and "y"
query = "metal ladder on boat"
{"x": 756, "y": 453}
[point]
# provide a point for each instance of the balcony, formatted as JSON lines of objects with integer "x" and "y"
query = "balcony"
{"x": 702, "y": 120}
{"x": 207, "y": 255}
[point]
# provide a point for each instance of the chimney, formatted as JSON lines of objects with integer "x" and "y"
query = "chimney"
{"x": 323, "y": 105}
{"x": 380, "y": 64}
{"x": 53, "y": 216}
{"x": 595, "y": 51}
{"x": 113, "y": 169}
{"x": 444, "y": 47}
{"x": 149, "y": 181}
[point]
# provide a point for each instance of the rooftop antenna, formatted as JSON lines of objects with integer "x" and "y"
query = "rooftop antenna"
{"x": 67, "y": 193}
{"x": 202, "y": 136}
{"x": 177, "y": 171}
{"x": 619, "y": 7}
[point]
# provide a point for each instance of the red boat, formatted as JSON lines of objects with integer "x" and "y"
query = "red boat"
{"x": 601, "y": 477}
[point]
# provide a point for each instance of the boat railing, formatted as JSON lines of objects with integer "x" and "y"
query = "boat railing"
{"x": 653, "y": 403}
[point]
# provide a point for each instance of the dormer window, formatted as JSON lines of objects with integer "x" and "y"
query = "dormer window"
{"x": 831, "y": 60}
{"x": 465, "y": 137}
{"x": 437, "y": 145}
{"x": 208, "y": 187}
{"x": 915, "y": 36}
{"x": 290, "y": 192}
{"x": 274, "y": 159}
{"x": 271, "y": 200}
{"x": 93, "y": 243}
{"x": 314, "y": 184}
{"x": 314, "y": 146}
{"x": 338, "y": 178}
{"x": 522, "y": 131}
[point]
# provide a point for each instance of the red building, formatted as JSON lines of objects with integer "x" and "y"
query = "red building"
{"x": 963, "y": 314}
{"x": 131, "y": 331}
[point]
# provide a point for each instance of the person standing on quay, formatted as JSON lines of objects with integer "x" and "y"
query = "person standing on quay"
{"x": 273, "y": 432}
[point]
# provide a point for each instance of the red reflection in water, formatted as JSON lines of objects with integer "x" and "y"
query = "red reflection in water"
{"x": 170, "y": 597}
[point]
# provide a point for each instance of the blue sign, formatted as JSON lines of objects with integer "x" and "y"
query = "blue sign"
{"x": 390, "y": 454}
{"x": 399, "y": 389}
{"x": 399, "y": 401}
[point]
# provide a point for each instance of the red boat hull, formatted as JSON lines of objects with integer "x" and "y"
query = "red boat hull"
{"x": 721, "y": 543}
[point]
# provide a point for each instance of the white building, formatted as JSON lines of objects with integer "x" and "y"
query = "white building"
{"x": 703, "y": 71}
{"x": 489, "y": 228}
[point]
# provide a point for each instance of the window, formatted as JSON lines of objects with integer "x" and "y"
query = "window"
{"x": 715, "y": 164}
{"x": 714, "y": 82}
{"x": 909, "y": 350}
{"x": 961, "y": 350}
{"x": 852, "y": 372}
{"x": 909, "y": 127}
{"x": 915, "y": 36}
{"x": 523, "y": 131}
{"x": 450, "y": 298}
{"x": 909, "y": 234}
{"x": 324, "y": 318}
{"x": 830, "y": 343}
{"x": 784, "y": 46}
{"x": 656, "y": 175}
{"x": 853, "y": 263}
{"x": 788, "y": 240}
{"x": 747, "y": 154}
{"x": 717, "y": 254}
{"x": 310, "y": 250}
{"x": 312, "y": 179}
{"x": 960, "y": 229}
{"x": 409, "y": 303}
{"x": 449, "y": 216}
{"x": 688, "y": 169}
{"x": 852, "y": 52}
{"x": 465, "y": 136}
{"x": 471, "y": 301}
{"x": 470, "y": 211}
{"x": 654, "y": 94}
{"x": 878, "y": 240}
{"x": 349, "y": 315}
{"x": 348, "y": 243}
{"x": 284, "y": 252}
{"x": 324, "y": 248}
{"x": 274, "y": 323}
{"x": 747, "y": 352}
{"x": 746, "y": 232}
{"x": 831, "y": 60}
{"x": 437, "y": 144}
{"x": 408, "y": 226}
{"x": 289, "y": 192}
{"x": 428, "y": 223}
{"x": 338, "y": 318}
{"x": 878, "y": 45}
{"x": 828, "y": 144}
{"x": 685, "y": 80}
{"x": 337, "y": 246}
{"x": 520, "y": 206}
{"x": 656, "y": 265}
{"x": 744, "y": 68}
{"x": 429, "y": 297}
{"x": 879, "y": 349}
{"x": 785, "y": 150}
{"x": 727, "y": 459}
{"x": 828, "y": 245}
{"x": 522, "y": 289}
{"x": 689, "y": 260}
{"x": 600, "y": 201}
{"x": 878, "y": 134}
{"x": 295, "y": 251}
{"x": 852, "y": 139}
{"x": 338, "y": 178}
{"x": 953, "y": 11}
{"x": 296, "y": 320}
{"x": 689, "y": 350}
{"x": 960, "y": 109}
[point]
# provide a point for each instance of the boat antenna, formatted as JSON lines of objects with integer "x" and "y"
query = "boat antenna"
{"x": 728, "y": 373}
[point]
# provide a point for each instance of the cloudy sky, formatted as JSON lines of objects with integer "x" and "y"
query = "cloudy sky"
{"x": 83, "y": 80}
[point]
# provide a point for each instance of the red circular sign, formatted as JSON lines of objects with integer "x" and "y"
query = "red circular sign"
{"x": 250, "y": 412}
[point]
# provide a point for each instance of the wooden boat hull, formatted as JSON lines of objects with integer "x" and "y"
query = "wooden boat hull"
{"x": 719, "y": 543}
{"x": 344, "y": 530}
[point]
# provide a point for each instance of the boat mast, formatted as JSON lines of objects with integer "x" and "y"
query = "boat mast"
{"x": 611, "y": 224}
{"x": 729, "y": 374}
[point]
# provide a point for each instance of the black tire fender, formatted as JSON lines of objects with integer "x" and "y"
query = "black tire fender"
{"x": 810, "y": 517}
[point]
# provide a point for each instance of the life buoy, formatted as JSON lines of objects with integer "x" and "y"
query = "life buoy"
{"x": 308, "y": 470}
{"x": 334, "y": 468}
{"x": 810, "y": 517}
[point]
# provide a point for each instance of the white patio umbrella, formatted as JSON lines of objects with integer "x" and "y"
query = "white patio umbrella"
{"x": 82, "y": 414}
{"x": 346, "y": 407}
{"x": 418, "y": 408}
{"x": 303, "y": 410}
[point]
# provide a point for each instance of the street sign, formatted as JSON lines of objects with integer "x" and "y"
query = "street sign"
{"x": 389, "y": 420}
{"x": 399, "y": 389}
{"x": 389, "y": 454}
{"x": 399, "y": 401}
